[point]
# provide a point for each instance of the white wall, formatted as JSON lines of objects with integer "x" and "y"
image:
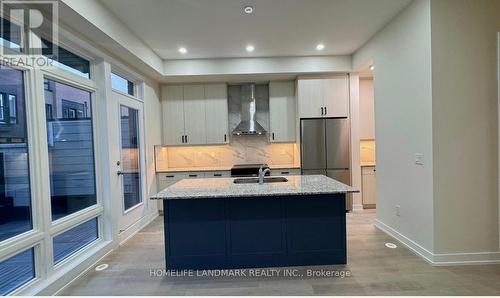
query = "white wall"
{"x": 402, "y": 55}
{"x": 366, "y": 109}
{"x": 153, "y": 125}
{"x": 465, "y": 125}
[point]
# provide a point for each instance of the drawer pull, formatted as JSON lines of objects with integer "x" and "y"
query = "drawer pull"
{"x": 193, "y": 175}
{"x": 285, "y": 173}
{"x": 170, "y": 176}
{"x": 217, "y": 175}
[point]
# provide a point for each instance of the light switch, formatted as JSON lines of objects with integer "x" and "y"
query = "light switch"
{"x": 419, "y": 159}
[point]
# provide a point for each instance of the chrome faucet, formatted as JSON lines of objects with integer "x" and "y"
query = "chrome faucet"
{"x": 262, "y": 173}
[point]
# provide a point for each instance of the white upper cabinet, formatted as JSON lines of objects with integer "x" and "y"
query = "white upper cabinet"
{"x": 173, "y": 115}
{"x": 216, "y": 114}
{"x": 336, "y": 96}
{"x": 195, "y": 114}
{"x": 282, "y": 111}
{"x": 310, "y": 96}
{"x": 323, "y": 97}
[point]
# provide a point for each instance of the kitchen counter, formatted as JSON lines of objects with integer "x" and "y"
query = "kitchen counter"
{"x": 225, "y": 188}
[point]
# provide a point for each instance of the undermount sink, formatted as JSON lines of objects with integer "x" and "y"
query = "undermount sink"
{"x": 256, "y": 180}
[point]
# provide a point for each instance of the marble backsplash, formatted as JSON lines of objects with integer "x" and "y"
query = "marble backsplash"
{"x": 241, "y": 150}
{"x": 367, "y": 151}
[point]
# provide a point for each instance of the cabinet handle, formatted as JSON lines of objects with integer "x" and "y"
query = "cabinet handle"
{"x": 225, "y": 138}
{"x": 322, "y": 111}
{"x": 285, "y": 173}
{"x": 217, "y": 175}
{"x": 193, "y": 175}
{"x": 273, "y": 135}
{"x": 170, "y": 176}
{"x": 326, "y": 112}
{"x": 187, "y": 139}
{"x": 182, "y": 139}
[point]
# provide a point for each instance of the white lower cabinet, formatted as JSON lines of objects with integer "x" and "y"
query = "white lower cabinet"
{"x": 368, "y": 185}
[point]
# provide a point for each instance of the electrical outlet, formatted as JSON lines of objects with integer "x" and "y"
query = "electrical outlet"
{"x": 419, "y": 159}
{"x": 398, "y": 210}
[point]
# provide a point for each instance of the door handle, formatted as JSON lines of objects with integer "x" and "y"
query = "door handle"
{"x": 119, "y": 173}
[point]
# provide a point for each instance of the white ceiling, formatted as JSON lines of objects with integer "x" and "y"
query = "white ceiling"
{"x": 220, "y": 29}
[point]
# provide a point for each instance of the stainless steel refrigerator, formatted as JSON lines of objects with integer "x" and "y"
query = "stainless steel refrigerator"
{"x": 325, "y": 149}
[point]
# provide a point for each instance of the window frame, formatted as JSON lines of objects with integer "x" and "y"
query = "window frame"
{"x": 131, "y": 77}
{"x": 40, "y": 237}
{"x": 67, "y": 222}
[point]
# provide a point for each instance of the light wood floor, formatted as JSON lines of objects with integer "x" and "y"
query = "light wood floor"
{"x": 375, "y": 270}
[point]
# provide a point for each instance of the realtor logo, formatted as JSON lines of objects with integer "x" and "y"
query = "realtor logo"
{"x": 29, "y": 28}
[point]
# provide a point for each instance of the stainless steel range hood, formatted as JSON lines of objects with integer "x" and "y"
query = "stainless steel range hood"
{"x": 248, "y": 124}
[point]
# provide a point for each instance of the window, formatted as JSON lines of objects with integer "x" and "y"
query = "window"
{"x": 121, "y": 84}
{"x": 67, "y": 60}
{"x": 15, "y": 193}
{"x": 46, "y": 85}
{"x": 71, "y": 241}
{"x": 3, "y": 109}
{"x": 8, "y": 108}
{"x": 12, "y": 109}
{"x": 11, "y": 35}
{"x": 71, "y": 149}
{"x": 16, "y": 271}
{"x": 48, "y": 111}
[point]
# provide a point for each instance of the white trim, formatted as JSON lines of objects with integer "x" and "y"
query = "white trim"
{"x": 479, "y": 258}
{"x": 453, "y": 259}
{"x": 498, "y": 137}
{"x": 133, "y": 229}
{"x": 410, "y": 244}
{"x": 357, "y": 207}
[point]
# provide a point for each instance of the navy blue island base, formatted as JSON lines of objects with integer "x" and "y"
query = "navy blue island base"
{"x": 274, "y": 231}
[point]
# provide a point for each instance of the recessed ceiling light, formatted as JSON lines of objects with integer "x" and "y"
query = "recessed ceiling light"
{"x": 372, "y": 67}
{"x": 320, "y": 47}
{"x": 183, "y": 50}
{"x": 248, "y": 9}
{"x": 250, "y": 48}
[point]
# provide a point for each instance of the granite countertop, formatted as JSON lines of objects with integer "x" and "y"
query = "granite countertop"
{"x": 225, "y": 188}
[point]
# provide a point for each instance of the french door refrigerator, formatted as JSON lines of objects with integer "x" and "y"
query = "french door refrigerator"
{"x": 325, "y": 149}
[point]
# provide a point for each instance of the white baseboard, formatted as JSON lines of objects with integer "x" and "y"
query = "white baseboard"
{"x": 136, "y": 227}
{"x": 357, "y": 207}
{"x": 479, "y": 258}
{"x": 410, "y": 244}
{"x": 454, "y": 259}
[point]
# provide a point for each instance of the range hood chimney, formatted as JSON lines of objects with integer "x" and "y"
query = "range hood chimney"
{"x": 248, "y": 124}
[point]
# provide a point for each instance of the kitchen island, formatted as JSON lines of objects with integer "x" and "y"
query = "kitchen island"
{"x": 215, "y": 223}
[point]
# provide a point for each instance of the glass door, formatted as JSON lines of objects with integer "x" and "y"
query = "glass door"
{"x": 131, "y": 162}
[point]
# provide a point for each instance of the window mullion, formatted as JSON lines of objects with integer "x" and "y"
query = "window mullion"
{"x": 39, "y": 165}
